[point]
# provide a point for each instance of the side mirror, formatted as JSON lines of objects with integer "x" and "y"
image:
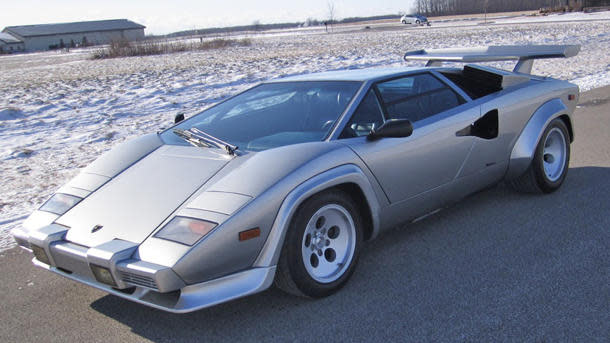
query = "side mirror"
{"x": 178, "y": 118}
{"x": 392, "y": 128}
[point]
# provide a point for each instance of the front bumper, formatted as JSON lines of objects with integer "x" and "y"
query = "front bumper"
{"x": 142, "y": 282}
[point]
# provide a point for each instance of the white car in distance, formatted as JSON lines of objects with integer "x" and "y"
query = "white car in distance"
{"x": 414, "y": 19}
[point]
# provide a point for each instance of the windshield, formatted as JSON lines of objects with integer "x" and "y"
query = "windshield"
{"x": 272, "y": 115}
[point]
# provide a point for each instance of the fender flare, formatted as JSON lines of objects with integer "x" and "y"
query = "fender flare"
{"x": 525, "y": 147}
{"x": 348, "y": 173}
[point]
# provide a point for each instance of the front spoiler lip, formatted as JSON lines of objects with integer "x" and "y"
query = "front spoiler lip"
{"x": 192, "y": 297}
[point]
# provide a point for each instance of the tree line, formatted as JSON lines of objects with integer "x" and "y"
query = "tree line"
{"x": 448, "y": 7}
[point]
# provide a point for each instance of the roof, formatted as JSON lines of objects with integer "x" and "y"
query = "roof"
{"x": 9, "y": 39}
{"x": 349, "y": 75}
{"x": 76, "y": 27}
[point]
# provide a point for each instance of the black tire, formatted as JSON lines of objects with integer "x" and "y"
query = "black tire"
{"x": 535, "y": 179}
{"x": 404, "y": 21}
{"x": 292, "y": 275}
{"x": 417, "y": 22}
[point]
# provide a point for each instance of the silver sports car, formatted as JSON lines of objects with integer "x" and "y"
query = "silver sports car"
{"x": 285, "y": 181}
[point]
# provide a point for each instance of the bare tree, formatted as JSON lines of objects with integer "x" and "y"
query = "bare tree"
{"x": 257, "y": 25}
{"x": 449, "y": 7}
{"x": 312, "y": 22}
{"x": 331, "y": 13}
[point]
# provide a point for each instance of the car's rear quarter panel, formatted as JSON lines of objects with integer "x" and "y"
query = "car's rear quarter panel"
{"x": 515, "y": 107}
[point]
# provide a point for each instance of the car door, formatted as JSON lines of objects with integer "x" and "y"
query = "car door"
{"x": 433, "y": 155}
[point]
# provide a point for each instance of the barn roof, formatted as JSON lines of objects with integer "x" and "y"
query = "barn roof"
{"x": 76, "y": 27}
{"x": 8, "y": 39}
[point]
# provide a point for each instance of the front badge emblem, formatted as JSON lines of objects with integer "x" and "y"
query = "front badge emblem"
{"x": 96, "y": 228}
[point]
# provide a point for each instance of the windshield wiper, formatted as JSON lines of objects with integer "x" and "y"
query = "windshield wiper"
{"x": 229, "y": 148}
{"x": 199, "y": 138}
{"x": 192, "y": 139}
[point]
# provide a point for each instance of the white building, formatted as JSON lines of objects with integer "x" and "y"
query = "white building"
{"x": 9, "y": 44}
{"x": 64, "y": 35}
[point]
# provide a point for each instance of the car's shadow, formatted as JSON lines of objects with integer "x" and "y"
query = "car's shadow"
{"x": 496, "y": 265}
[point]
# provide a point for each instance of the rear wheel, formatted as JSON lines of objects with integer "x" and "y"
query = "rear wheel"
{"x": 321, "y": 247}
{"x": 550, "y": 164}
{"x": 404, "y": 21}
{"x": 417, "y": 22}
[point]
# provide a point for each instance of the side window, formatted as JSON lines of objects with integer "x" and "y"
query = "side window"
{"x": 367, "y": 116}
{"x": 417, "y": 97}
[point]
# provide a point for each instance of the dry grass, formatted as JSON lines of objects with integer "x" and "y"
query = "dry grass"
{"x": 124, "y": 48}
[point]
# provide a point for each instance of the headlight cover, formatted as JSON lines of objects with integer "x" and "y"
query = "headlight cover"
{"x": 60, "y": 203}
{"x": 185, "y": 230}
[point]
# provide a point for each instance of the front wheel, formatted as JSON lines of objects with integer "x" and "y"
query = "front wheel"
{"x": 417, "y": 22}
{"x": 321, "y": 247}
{"x": 549, "y": 167}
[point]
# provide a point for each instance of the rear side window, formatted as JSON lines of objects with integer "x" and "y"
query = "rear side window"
{"x": 416, "y": 97}
{"x": 475, "y": 82}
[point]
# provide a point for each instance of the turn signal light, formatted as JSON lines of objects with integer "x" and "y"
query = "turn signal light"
{"x": 185, "y": 230}
{"x": 249, "y": 234}
{"x": 103, "y": 275}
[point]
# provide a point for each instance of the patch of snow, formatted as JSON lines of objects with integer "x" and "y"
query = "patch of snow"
{"x": 59, "y": 111}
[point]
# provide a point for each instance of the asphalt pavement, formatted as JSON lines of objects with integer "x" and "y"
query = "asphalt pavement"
{"x": 497, "y": 266}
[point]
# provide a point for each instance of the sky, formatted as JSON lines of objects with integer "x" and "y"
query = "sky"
{"x": 161, "y": 17}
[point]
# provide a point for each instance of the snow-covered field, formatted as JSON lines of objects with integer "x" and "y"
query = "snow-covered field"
{"x": 59, "y": 111}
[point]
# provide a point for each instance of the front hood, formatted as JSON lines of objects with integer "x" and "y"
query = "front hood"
{"x": 134, "y": 203}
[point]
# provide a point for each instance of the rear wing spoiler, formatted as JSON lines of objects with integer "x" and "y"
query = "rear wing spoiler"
{"x": 524, "y": 54}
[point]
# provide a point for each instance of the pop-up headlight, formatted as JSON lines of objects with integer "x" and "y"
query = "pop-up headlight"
{"x": 185, "y": 230}
{"x": 60, "y": 203}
